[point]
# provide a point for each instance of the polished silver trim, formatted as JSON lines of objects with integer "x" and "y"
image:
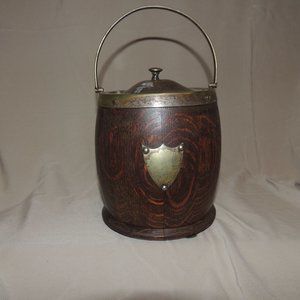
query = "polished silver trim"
{"x": 124, "y": 100}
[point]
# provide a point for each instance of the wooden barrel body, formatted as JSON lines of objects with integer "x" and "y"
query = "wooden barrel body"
{"x": 133, "y": 204}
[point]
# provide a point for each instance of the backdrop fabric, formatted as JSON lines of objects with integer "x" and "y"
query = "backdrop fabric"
{"x": 53, "y": 242}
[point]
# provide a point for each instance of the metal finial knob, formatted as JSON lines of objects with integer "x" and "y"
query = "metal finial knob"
{"x": 155, "y": 72}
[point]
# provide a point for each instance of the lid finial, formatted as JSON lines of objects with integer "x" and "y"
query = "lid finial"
{"x": 155, "y": 73}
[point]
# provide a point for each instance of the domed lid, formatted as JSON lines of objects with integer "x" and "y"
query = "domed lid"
{"x": 157, "y": 85}
{"x": 157, "y": 93}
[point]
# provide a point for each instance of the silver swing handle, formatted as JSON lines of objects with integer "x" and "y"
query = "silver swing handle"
{"x": 213, "y": 84}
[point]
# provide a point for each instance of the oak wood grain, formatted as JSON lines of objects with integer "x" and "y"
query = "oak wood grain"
{"x": 129, "y": 194}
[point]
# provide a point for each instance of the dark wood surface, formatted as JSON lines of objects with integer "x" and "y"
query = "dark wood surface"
{"x": 159, "y": 233}
{"x": 130, "y": 196}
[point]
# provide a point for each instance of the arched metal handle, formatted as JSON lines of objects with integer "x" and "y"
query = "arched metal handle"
{"x": 214, "y": 82}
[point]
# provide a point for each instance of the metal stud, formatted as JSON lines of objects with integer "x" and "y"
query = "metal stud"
{"x": 181, "y": 147}
{"x": 164, "y": 187}
{"x": 146, "y": 150}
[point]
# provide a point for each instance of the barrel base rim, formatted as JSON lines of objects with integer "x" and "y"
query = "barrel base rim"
{"x": 158, "y": 234}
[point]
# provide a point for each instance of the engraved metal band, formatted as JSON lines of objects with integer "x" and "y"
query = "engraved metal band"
{"x": 211, "y": 85}
{"x": 124, "y": 100}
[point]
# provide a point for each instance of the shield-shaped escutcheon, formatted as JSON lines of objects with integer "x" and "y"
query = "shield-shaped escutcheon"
{"x": 163, "y": 163}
